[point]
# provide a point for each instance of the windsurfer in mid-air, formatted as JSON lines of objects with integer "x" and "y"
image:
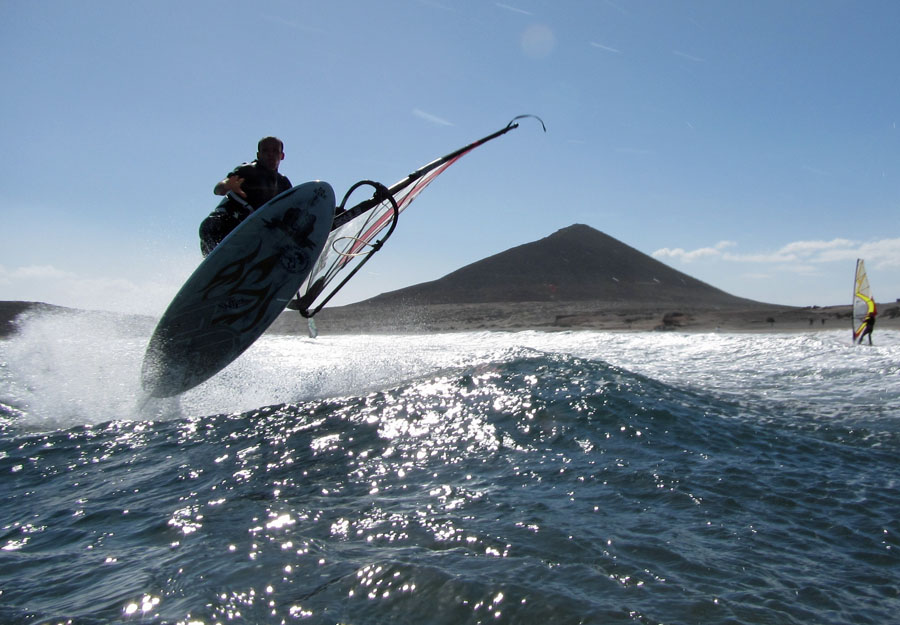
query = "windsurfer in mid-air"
{"x": 247, "y": 187}
{"x": 870, "y": 325}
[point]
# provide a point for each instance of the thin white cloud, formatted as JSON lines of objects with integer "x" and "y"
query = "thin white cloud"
{"x": 32, "y": 272}
{"x": 507, "y": 7}
{"x": 689, "y": 57}
{"x": 811, "y": 248}
{"x": 687, "y": 257}
{"x": 881, "y": 254}
{"x": 797, "y": 256}
{"x": 434, "y": 119}
{"x": 600, "y": 46}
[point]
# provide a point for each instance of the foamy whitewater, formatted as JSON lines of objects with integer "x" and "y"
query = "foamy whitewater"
{"x": 528, "y": 477}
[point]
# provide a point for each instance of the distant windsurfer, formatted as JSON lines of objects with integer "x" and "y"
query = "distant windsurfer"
{"x": 869, "y": 322}
{"x": 246, "y": 188}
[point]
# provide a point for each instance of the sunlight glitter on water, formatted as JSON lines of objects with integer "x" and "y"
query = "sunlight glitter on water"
{"x": 474, "y": 475}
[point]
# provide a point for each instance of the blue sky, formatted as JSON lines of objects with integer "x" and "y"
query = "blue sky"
{"x": 752, "y": 145}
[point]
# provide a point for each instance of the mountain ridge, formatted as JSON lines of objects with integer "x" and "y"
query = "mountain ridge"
{"x": 574, "y": 264}
{"x": 575, "y": 278}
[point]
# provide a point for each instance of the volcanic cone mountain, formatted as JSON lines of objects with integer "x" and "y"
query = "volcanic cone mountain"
{"x": 577, "y": 263}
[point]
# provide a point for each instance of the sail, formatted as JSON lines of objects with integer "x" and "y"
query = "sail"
{"x": 863, "y": 303}
{"x": 352, "y": 241}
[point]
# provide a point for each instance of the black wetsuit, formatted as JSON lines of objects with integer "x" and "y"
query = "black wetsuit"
{"x": 867, "y": 331}
{"x": 260, "y": 184}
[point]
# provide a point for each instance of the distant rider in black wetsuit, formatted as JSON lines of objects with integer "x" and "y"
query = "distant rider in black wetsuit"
{"x": 248, "y": 187}
{"x": 867, "y": 331}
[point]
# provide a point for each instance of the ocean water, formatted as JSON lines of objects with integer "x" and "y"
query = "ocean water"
{"x": 528, "y": 477}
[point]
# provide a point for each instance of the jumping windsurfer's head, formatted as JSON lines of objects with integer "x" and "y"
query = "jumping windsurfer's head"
{"x": 270, "y": 152}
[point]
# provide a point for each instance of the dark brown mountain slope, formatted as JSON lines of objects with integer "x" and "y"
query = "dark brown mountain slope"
{"x": 577, "y": 263}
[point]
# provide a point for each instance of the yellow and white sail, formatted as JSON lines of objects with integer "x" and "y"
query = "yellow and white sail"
{"x": 863, "y": 302}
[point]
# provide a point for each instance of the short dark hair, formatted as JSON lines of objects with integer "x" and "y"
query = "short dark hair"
{"x": 268, "y": 139}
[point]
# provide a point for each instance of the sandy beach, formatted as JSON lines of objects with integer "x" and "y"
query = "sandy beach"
{"x": 541, "y": 316}
{"x": 563, "y": 316}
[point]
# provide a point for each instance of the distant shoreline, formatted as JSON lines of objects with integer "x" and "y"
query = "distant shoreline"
{"x": 563, "y": 316}
{"x": 538, "y": 316}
